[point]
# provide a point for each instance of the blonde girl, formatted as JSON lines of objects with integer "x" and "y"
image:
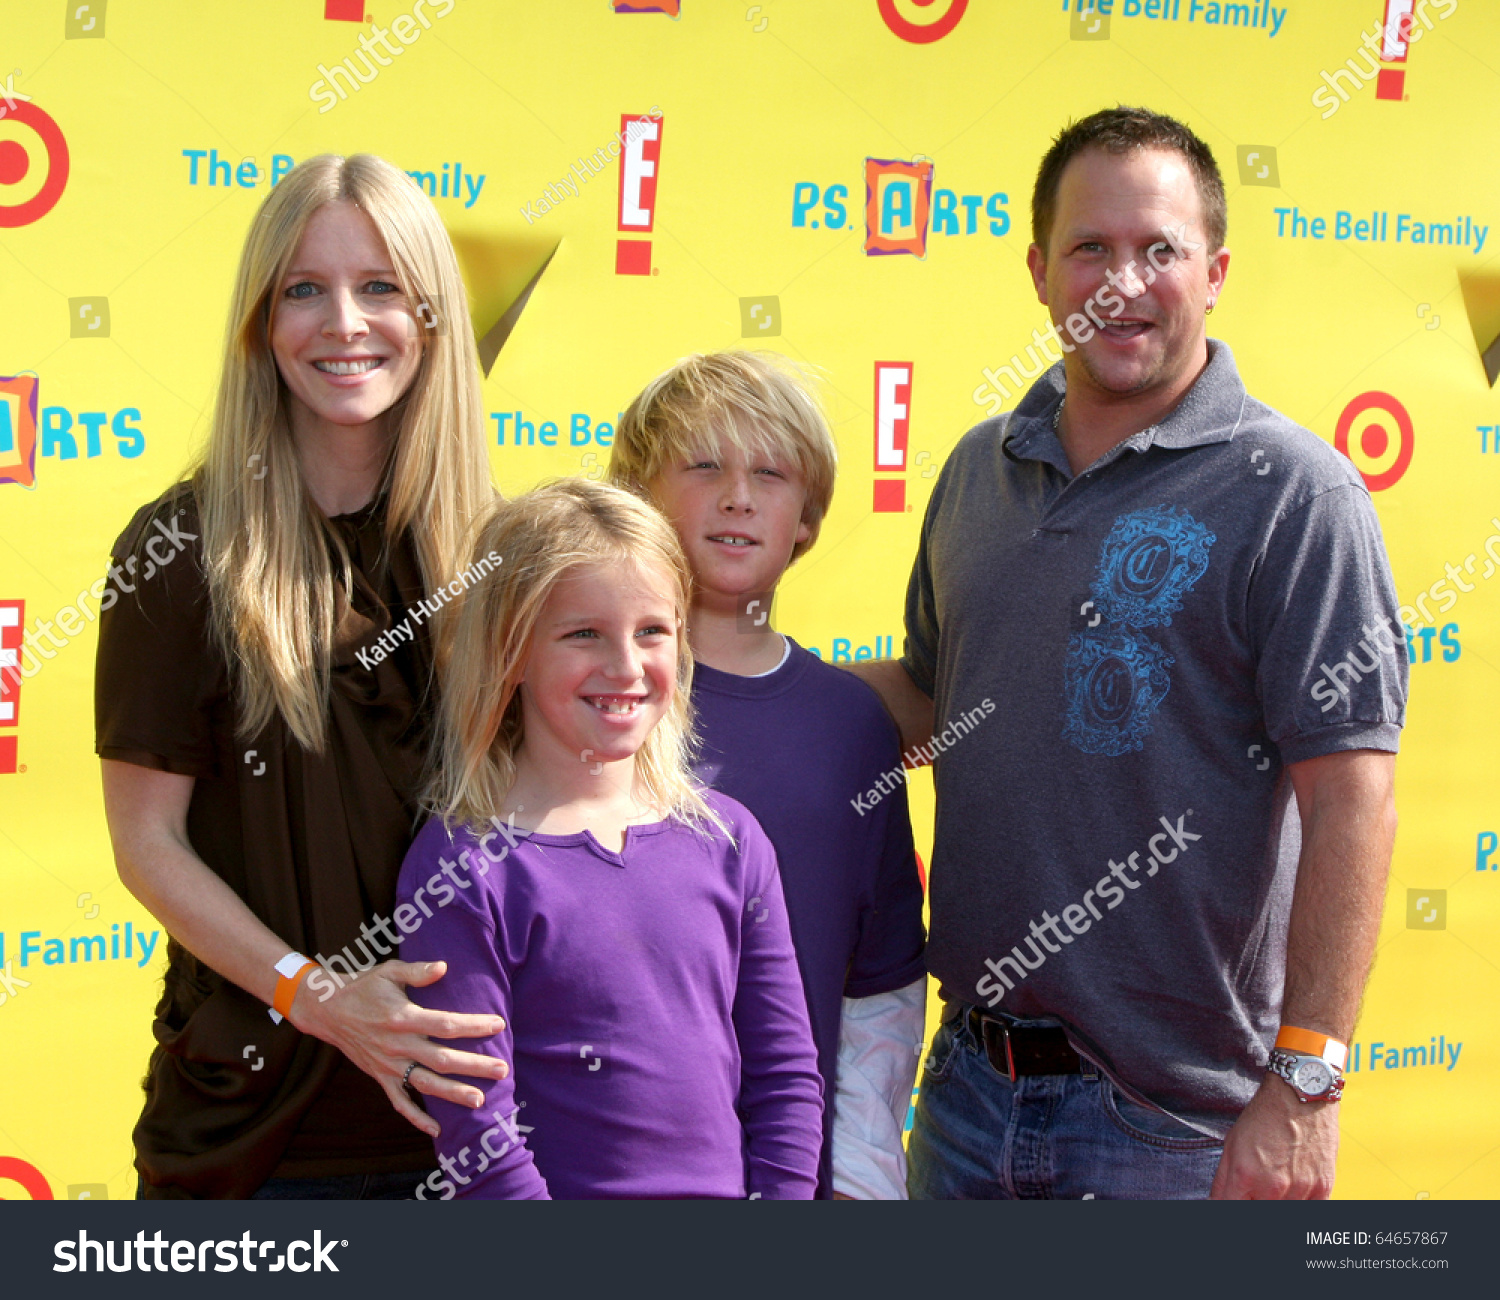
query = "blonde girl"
{"x": 625, "y": 923}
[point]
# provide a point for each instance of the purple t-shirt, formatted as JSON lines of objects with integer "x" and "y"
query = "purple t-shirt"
{"x": 799, "y": 747}
{"x": 655, "y": 1022}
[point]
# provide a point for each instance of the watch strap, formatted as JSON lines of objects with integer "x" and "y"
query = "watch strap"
{"x": 1309, "y": 1043}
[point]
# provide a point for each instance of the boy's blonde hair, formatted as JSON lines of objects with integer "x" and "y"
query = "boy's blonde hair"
{"x": 758, "y": 402}
{"x": 539, "y": 538}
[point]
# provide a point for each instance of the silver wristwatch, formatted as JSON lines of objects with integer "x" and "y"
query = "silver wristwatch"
{"x": 1311, "y": 1077}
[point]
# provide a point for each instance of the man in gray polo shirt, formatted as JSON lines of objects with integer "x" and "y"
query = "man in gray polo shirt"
{"x": 1180, "y": 602}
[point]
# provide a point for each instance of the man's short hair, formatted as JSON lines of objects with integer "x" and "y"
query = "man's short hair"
{"x": 1125, "y": 130}
{"x": 759, "y": 402}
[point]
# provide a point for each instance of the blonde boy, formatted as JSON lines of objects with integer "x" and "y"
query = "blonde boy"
{"x": 734, "y": 450}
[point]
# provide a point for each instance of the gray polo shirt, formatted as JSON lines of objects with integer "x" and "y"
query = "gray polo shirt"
{"x": 1162, "y": 634}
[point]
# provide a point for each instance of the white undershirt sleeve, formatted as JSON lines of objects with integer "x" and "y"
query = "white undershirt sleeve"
{"x": 880, "y": 1043}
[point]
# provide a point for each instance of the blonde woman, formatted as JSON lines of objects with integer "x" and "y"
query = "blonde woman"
{"x": 627, "y": 922}
{"x": 263, "y": 701}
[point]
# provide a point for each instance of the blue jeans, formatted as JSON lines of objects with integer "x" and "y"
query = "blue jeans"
{"x": 978, "y": 1136}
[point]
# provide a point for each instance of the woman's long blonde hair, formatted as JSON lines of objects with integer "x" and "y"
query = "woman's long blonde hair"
{"x": 276, "y": 598}
{"x": 540, "y": 538}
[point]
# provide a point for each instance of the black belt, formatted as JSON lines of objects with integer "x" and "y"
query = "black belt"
{"x": 1017, "y": 1050}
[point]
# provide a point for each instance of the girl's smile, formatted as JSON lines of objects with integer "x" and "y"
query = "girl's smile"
{"x": 603, "y": 664}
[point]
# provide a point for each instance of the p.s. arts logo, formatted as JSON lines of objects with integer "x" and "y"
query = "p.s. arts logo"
{"x": 1375, "y": 432}
{"x": 33, "y": 160}
{"x": 63, "y": 433}
{"x": 898, "y": 204}
{"x": 928, "y": 20}
{"x": 902, "y": 208}
{"x": 18, "y": 415}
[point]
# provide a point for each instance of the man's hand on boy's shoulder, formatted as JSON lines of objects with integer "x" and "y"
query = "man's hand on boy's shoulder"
{"x": 909, "y": 706}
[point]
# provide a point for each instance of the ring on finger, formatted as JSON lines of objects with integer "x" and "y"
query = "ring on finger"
{"x": 406, "y": 1078}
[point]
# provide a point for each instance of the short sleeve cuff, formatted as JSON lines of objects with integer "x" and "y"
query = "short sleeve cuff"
{"x": 887, "y": 983}
{"x": 921, "y": 678}
{"x": 177, "y": 764}
{"x": 1384, "y": 736}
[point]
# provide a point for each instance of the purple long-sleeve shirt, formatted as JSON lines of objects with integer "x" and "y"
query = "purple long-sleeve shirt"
{"x": 655, "y": 1020}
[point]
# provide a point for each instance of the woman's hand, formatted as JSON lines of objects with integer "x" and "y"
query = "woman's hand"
{"x": 374, "y": 1024}
{"x": 370, "y": 1019}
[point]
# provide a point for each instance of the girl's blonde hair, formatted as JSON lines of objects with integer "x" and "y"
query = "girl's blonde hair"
{"x": 275, "y": 597}
{"x": 758, "y": 402}
{"x": 539, "y": 538}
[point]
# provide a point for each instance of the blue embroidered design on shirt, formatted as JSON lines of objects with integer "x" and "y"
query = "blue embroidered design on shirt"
{"x": 1115, "y": 678}
{"x": 1149, "y": 561}
{"x": 1114, "y": 684}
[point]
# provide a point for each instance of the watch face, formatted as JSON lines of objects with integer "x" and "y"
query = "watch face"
{"x": 1312, "y": 1076}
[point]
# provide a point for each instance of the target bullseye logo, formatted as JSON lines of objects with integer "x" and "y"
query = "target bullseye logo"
{"x": 22, "y": 199}
{"x": 922, "y": 33}
{"x": 1382, "y": 438}
{"x": 29, "y": 1176}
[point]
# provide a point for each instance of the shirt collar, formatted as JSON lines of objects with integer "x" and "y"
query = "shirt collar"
{"x": 1210, "y": 412}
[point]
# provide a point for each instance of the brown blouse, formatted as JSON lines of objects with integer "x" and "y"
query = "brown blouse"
{"x": 312, "y": 843}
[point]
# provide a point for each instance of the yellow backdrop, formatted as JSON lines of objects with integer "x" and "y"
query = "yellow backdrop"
{"x": 846, "y": 181}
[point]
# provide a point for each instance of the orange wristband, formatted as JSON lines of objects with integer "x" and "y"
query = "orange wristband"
{"x": 286, "y": 985}
{"x": 1292, "y": 1039}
